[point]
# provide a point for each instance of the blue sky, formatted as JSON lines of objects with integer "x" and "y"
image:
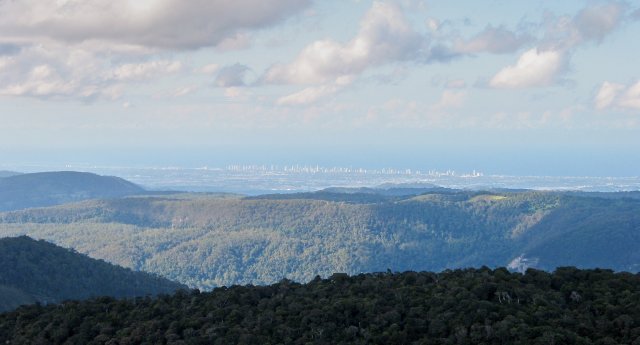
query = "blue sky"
{"x": 520, "y": 87}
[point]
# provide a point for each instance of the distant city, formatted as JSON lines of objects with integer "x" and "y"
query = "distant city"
{"x": 317, "y": 169}
{"x": 255, "y": 179}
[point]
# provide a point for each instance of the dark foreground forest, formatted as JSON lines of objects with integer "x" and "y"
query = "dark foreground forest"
{"x": 471, "y": 306}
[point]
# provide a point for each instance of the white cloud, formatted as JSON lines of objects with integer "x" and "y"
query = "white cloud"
{"x": 385, "y": 36}
{"x": 62, "y": 72}
{"x": 607, "y": 94}
{"x": 308, "y": 95}
{"x": 237, "y": 93}
{"x": 313, "y": 94}
{"x": 38, "y": 72}
{"x": 618, "y": 96}
{"x": 209, "y": 69}
{"x": 534, "y": 68}
{"x": 631, "y": 98}
{"x": 170, "y": 24}
{"x": 492, "y": 40}
{"x": 542, "y": 66}
{"x": 42, "y": 80}
{"x": 145, "y": 71}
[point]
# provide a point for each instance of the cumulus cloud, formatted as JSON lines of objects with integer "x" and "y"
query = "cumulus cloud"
{"x": 631, "y": 98}
{"x": 607, "y": 94}
{"x": 534, "y": 68}
{"x": 76, "y": 48}
{"x": 542, "y": 65}
{"x": 496, "y": 40}
{"x": 618, "y": 96}
{"x": 384, "y": 36}
{"x": 38, "y": 72}
{"x": 169, "y": 24}
{"x": 231, "y": 76}
{"x": 73, "y": 73}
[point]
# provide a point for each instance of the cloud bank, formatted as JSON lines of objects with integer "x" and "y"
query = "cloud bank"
{"x": 165, "y": 24}
{"x": 543, "y": 65}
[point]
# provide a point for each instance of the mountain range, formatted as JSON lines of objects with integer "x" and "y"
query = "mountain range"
{"x": 206, "y": 240}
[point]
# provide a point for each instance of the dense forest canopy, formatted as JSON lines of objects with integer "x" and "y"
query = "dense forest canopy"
{"x": 206, "y": 241}
{"x": 470, "y": 306}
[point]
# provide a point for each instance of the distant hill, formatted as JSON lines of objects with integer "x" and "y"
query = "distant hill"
{"x": 208, "y": 241}
{"x": 470, "y": 306}
{"x": 383, "y": 193}
{"x": 33, "y": 271}
{"x": 5, "y": 173}
{"x": 53, "y": 188}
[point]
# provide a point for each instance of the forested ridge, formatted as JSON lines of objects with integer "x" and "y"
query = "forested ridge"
{"x": 467, "y": 306}
{"x": 37, "y": 271}
{"x": 7, "y": 173}
{"x": 206, "y": 241}
{"x": 20, "y": 191}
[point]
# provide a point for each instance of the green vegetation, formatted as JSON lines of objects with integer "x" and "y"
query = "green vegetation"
{"x": 52, "y": 188}
{"x": 206, "y": 241}
{"x": 39, "y": 271}
{"x": 471, "y": 306}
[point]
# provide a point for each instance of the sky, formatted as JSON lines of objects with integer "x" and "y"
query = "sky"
{"x": 506, "y": 87}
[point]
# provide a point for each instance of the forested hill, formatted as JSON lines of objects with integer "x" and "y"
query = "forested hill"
{"x": 33, "y": 271}
{"x": 52, "y": 188}
{"x": 206, "y": 241}
{"x": 471, "y": 306}
{"x": 6, "y": 173}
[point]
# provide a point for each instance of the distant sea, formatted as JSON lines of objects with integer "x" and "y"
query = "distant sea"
{"x": 264, "y": 179}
